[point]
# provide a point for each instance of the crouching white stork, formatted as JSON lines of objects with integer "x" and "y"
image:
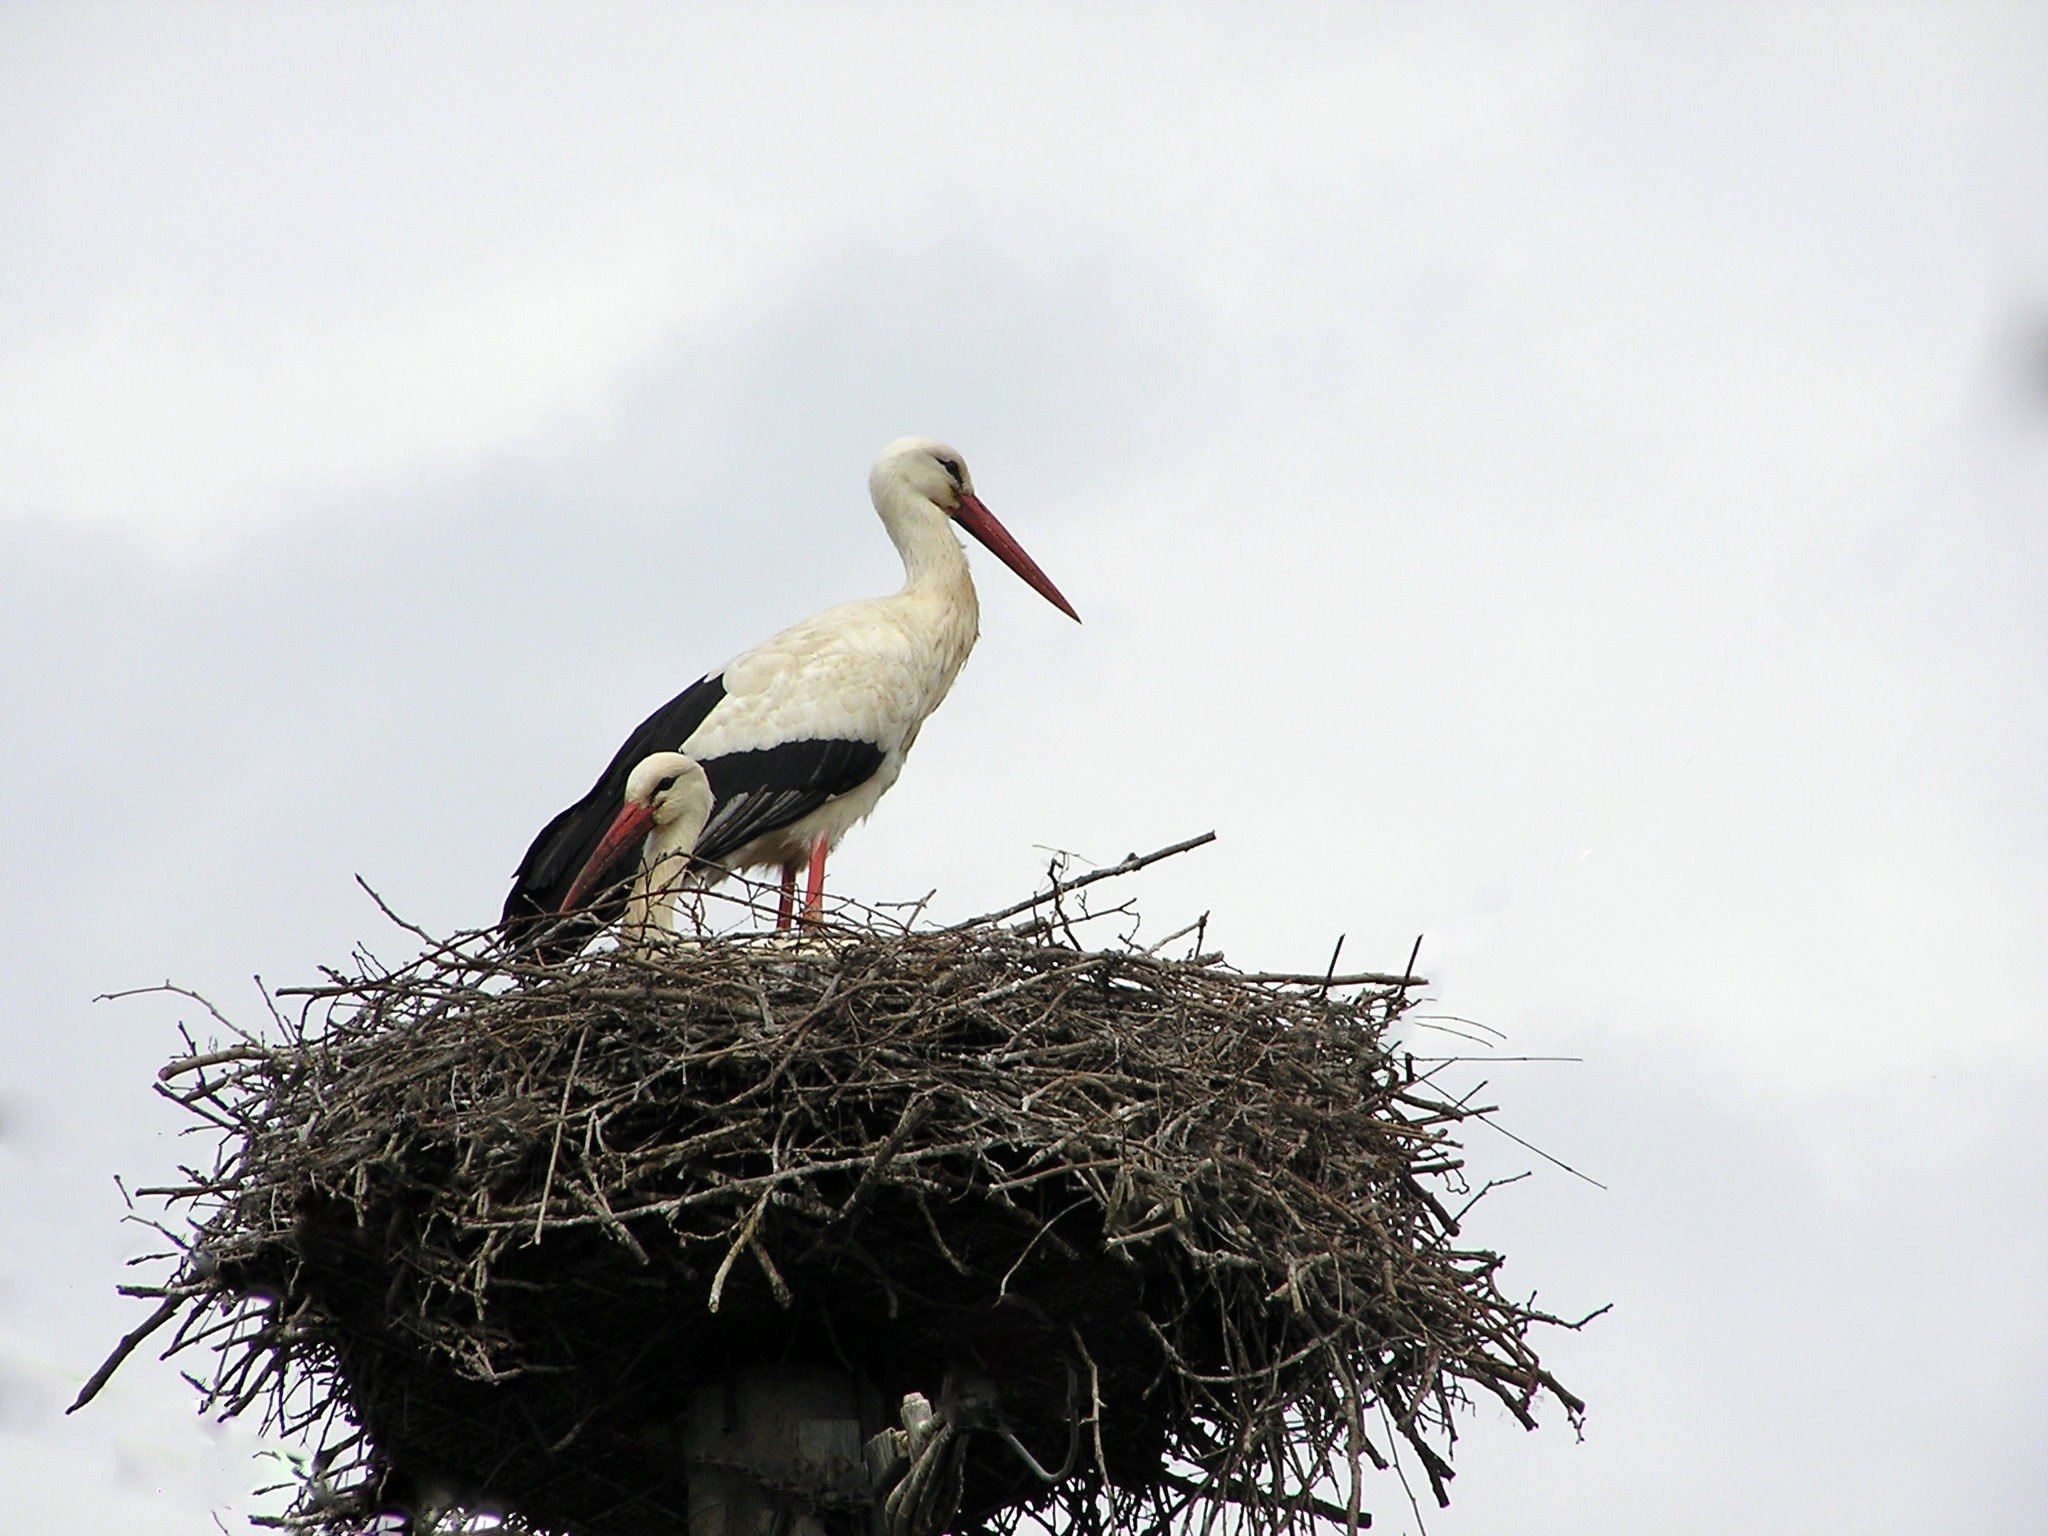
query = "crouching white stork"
{"x": 668, "y": 800}
{"x": 800, "y": 736}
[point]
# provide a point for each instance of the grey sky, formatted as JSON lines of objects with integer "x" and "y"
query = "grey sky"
{"x": 1564, "y": 481}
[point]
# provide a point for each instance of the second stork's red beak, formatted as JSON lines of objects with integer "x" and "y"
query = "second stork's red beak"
{"x": 621, "y": 842}
{"x": 995, "y": 538}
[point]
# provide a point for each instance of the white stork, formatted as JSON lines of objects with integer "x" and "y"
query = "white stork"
{"x": 800, "y": 736}
{"x": 668, "y": 800}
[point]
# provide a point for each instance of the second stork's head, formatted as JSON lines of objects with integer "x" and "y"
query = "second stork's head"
{"x": 917, "y": 477}
{"x": 667, "y": 802}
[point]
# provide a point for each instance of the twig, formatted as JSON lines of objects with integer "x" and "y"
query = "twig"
{"x": 1322, "y": 979}
{"x": 1485, "y": 1117}
{"x": 540, "y": 1216}
{"x": 1131, "y": 864}
{"x": 207, "y": 1059}
{"x": 99, "y": 1378}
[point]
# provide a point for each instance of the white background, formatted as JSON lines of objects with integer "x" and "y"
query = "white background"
{"x": 1564, "y": 481}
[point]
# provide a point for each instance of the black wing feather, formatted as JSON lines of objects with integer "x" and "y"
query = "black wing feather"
{"x": 756, "y": 792}
{"x": 555, "y": 857}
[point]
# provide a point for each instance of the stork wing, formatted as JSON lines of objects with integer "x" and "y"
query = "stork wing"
{"x": 755, "y": 792}
{"x": 559, "y": 853}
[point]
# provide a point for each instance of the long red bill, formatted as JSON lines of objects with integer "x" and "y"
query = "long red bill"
{"x": 622, "y": 838}
{"x": 995, "y": 538}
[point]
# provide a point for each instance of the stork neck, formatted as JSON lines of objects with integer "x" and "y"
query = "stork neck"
{"x": 934, "y": 564}
{"x": 938, "y": 598}
{"x": 933, "y": 561}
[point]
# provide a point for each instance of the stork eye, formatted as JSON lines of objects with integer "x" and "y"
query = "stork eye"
{"x": 951, "y": 467}
{"x": 666, "y": 784}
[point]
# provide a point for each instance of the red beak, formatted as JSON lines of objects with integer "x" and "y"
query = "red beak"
{"x": 995, "y": 538}
{"x": 622, "y": 838}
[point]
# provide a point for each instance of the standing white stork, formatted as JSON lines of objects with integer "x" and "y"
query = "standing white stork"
{"x": 668, "y": 800}
{"x": 800, "y": 736}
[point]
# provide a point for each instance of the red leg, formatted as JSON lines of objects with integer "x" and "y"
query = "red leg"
{"x": 814, "y": 887}
{"x": 785, "y": 909}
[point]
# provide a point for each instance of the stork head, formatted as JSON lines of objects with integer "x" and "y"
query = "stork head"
{"x": 668, "y": 796}
{"x": 671, "y": 787}
{"x": 919, "y": 472}
{"x": 924, "y": 467}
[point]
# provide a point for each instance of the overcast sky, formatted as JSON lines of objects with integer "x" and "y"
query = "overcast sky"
{"x": 1568, "y": 482}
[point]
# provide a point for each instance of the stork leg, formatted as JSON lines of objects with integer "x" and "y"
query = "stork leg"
{"x": 785, "y": 909}
{"x": 814, "y": 887}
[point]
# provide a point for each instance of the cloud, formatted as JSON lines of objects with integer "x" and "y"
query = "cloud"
{"x": 224, "y": 373}
{"x": 172, "y": 422}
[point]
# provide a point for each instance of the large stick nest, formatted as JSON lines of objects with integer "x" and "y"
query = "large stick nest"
{"x": 476, "y": 1229}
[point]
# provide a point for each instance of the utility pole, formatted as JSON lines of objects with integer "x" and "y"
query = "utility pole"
{"x": 775, "y": 1450}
